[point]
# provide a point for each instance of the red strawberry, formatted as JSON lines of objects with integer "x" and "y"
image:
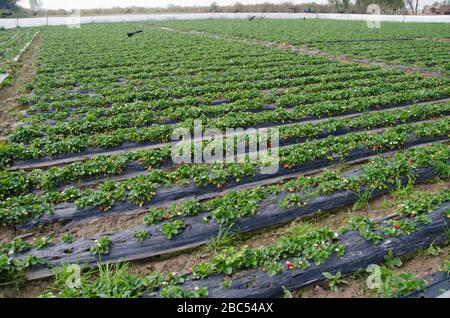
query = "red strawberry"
{"x": 289, "y": 264}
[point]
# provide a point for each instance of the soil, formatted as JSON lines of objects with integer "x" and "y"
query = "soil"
{"x": 30, "y": 290}
{"x": 22, "y": 75}
{"x": 103, "y": 225}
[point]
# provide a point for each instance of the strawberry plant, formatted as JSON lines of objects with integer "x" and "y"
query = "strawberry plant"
{"x": 154, "y": 216}
{"x": 334, "y": 280}
{"x": 16, "y": 246}
{"x": 273, "y": 268}
{"x": 391, "y": 261}
{"x": 67, "y": 238}
{"x": 179, "y": 292}
{"x": 227, "y": 282}
{"x": 367, "y": 228}
{"x": 14, "y": 270}
{"x": 43, "y": 242}
{"x": 172, "y": 229}
{"x": 141, "y": 235}
{"x": 396, "y": 285}
{"x": 101, "y": 246}
{"x": 399, "y": 227}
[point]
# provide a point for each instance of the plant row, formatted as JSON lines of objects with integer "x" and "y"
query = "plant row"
{"x": 142, "y": 189}
{"x": 55, "y": 146}
{"x": 21, "y": 182}
{"x": 379, "y": 174}
{"x": 303, "y": 249}
{"x": 310, "y": 95}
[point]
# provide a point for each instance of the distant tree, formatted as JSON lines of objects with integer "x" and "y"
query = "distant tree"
{"x": 385, "y": 5}
{"x": 214, "y": 7}
{"x": 339, "y": 5}
{"x": 172, "y": 7}
{"x": 36, "y": 6}
{"x": 265, "y": 7}
{"x": 8, "y": 4}
{"x": 238, "y": 7}
{"x": 61, "y": 12}
{"x": 345, "y": 3}
{"x": 413, "y": 5}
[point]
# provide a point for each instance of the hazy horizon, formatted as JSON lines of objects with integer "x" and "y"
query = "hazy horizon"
{"x": 104, "y": 4}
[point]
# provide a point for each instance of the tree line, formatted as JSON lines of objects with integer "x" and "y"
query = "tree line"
{"x": 333, "y": 6}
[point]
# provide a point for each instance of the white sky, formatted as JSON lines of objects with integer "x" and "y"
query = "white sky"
{"x": 90, "y": 4}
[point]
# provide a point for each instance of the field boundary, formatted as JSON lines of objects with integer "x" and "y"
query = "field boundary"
{"x": 54, "y": 21}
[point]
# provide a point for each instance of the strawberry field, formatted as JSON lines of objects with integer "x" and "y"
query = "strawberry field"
{"x": 12, "y": 45}
{"x": 418, "y": 46}
{"x": 88, "y": 176}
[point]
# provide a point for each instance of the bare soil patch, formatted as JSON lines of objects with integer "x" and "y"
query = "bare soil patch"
{"x": 22, "y": 75}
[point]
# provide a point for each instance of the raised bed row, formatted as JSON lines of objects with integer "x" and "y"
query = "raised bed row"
{"x": 165, "y": 195}
{"x": 124, "y": 246}
{"x": 359, "y": 254}
{"x": 439, "y": 284}
{"x": 44, "y": 162}
{"x": 200, "y": 180}
{"x": 132, "y": 164}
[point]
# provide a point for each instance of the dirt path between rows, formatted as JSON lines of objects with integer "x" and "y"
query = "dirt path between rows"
{"x": 22, "y": 76}
{"x": 310, "y": 51}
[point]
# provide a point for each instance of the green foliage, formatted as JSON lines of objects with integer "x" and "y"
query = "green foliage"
{"x": 67, "y": 238}
{"x": 391, "y": 261}
{"x": 43, "y": 242}
{"x": 364, "y": 199}
{"x": 334, "y": 280}
{"x": 178, "y": 292}
{"x": 433, "y": 250}
{"x": 141, "y": 235}
{"x": 315, "y": 245}
{"x": 154, "y": 216}
{"x": 172, "y": 229}
{"x": 367, "y": 228}
{"x": 227, "y": 282}
{"x": 286, "y": 293}
{"x": 14, "y": 247}
{"x": 101, "y": 246}
{"x": 396, "y": 285}
{"x": 13, "y": 270}
{"x": 107, "y": 281}
{"x": 273, "y": 268}
{"x": 224, "y": 239}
